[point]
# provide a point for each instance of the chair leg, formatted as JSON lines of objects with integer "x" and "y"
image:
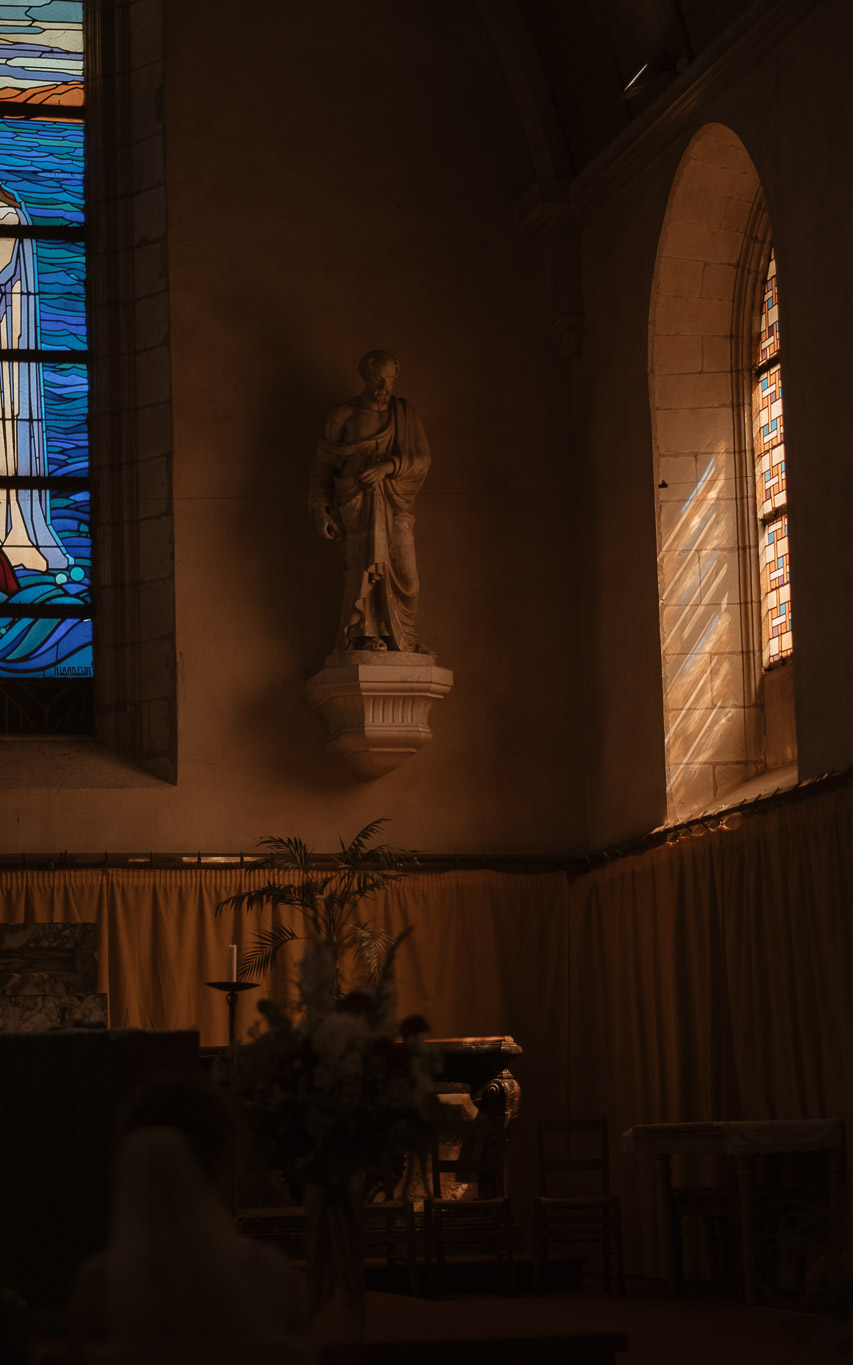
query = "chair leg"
{"x": 440, "y": 1263}
{"x": 411, "y": 1252}
{"x": 434, "y": 1267}
{"x": 620, "y": 1264}
{"x": 540, "y": 1248}
{"x": 427, "y": 1249}
{"x": 605, "y": 1245}
{"x": 510, "y": 1255}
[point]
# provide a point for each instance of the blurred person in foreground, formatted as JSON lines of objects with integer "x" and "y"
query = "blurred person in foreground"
{"x": 175, "y": 1269}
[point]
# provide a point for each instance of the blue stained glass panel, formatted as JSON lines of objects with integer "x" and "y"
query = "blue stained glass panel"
{"x": 45, "y": 648}
{"x": 66, "y": 411}
{"x": 66, "y": 511}
{"x": 61, "y": 271}
{"x": 45, "y": 527}
{"x": 42, "y": 165}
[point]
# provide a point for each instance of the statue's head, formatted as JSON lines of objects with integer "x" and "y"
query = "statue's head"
{"x": 378, "y": 369}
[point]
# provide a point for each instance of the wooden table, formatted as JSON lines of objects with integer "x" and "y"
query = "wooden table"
{"x": 744, "y": 1141}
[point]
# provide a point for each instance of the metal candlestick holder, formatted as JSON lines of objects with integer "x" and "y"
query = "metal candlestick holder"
{"x": 233, "y": 988}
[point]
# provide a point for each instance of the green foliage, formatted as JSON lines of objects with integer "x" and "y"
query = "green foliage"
{"x": 327, "y": 902}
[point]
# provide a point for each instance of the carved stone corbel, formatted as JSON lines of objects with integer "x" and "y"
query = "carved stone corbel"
{"x": 377, "y": 714}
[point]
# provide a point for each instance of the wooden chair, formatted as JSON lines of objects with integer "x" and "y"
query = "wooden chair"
{"x": 389, "y": 1232}
{"x": 469, "y": 1225}
{"x": 593, "y": 1216}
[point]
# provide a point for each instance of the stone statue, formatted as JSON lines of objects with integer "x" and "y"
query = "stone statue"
{"x": 367, "y": 471}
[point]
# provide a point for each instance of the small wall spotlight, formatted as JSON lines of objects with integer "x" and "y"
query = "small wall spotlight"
{"x": 666, "y": 63}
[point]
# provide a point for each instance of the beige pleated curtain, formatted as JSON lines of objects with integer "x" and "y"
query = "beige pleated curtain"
{"x": 707, "y": 978}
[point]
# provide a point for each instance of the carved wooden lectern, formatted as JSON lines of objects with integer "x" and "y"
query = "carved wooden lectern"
{"x": 475, "y": 1077}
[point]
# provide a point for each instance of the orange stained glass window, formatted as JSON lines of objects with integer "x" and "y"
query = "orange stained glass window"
{"x": 771, "y": 493}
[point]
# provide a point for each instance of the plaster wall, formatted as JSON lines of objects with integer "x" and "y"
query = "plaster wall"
{"x": 791, "y": 113}
{"x": 341, "y": 177}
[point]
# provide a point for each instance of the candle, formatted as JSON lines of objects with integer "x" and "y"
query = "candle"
{"x": 232, "y": 961}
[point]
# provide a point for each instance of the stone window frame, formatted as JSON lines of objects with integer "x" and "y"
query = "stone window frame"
{"x": 135, "y": 739}
{"x": 726, "y": 720}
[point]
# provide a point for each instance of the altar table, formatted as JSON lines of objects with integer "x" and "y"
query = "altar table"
{"x": 744, "y": 1140}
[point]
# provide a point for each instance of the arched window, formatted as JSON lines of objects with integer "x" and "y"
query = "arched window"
{"x": 771, "y": 493}
{"x": 45, "y": 536}
{"x": 727, "y": 716}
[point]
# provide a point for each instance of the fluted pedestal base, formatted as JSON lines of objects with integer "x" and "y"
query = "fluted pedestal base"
{"x": 376, "y": 706}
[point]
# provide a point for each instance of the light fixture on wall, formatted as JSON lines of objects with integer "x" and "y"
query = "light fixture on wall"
{"x": 669, "y": 61}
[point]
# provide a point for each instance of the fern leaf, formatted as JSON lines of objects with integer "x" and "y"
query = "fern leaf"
{"x": 357, "y": 847}
{"x": 390, "y": 856}
{"x": 392, "y": 951}
{"x": 370, "y": 946}
{"x": 291, "y": 854}
{"x": 261, "y": 958}
{"x": 274, "y": 894}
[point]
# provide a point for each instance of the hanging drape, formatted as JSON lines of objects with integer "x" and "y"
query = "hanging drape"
{"x": 707, "y": 978}
{"x": 711, "y": 978}
{"x": 488, "y": 956}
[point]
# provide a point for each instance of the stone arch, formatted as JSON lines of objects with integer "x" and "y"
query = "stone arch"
{"x": 713, "y": 247}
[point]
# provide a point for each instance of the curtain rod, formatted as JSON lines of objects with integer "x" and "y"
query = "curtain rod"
{"x": 574, "y": 865}
{"x": 426, "y": 862}
{"x": 727, "y": 818}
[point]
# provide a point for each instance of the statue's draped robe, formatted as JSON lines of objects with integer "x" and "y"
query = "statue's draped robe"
{"x": 28, "y": 539}
{"x": 377, "y": 527}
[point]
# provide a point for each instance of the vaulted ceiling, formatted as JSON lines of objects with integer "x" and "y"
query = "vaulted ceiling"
{"x": 602, "y": 63}
{"x": 591, "y": 49}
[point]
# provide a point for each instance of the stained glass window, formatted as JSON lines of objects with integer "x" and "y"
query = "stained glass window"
{"x": 45, "y": 540}
{"x": 770, "y": 480}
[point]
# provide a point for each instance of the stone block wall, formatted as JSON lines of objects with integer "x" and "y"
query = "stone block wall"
{"x": 131, "y": 385}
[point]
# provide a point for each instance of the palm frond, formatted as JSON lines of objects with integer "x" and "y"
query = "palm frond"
{"x": 386, "y": 856}
{"x": 392, "y": 858}
{"x": 261, "y": 958}
{"x": 391, "y": 953}
{"x": 313, "y": 889}
{"x": 326, "y": 901}
{"x": 368, "y": 882}
{"x": 274, "y": 893}
{"x": 370, "y": 947}
{"x": 356, "y": 848}
{"x": 290, "y": 854}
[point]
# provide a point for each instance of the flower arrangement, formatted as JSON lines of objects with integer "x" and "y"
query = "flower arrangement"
{"x": 342, "y": 1094}
{"x": 345, "y": 1089}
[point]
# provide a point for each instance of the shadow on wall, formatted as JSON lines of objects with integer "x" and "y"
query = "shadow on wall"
{"x": 291, "y": 579}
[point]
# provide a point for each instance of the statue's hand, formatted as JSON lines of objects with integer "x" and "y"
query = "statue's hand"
{"x": 375, "y": 473}
{"x": 326, "y": 524}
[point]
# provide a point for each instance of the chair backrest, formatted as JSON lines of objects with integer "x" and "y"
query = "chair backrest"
{"x": 480, "y": 1158}
{"x": 569, "y": 1146}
